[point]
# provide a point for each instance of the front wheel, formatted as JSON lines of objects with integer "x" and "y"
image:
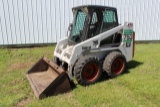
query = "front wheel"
{"x": 88, "y": 70}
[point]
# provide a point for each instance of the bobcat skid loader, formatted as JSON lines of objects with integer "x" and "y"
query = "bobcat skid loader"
{"x": 96, "y": 43}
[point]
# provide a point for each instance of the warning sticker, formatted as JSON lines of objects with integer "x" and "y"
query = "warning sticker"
{"x": 127, "y": 37}
{"x": 128, "y": 32}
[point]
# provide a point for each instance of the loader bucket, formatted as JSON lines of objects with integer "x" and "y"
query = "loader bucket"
{"x": 47, "y": 79}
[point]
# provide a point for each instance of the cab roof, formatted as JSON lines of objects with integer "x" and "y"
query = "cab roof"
{"x": 94, "y": 7}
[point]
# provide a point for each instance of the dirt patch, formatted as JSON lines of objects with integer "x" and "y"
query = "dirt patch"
{"x": 69, "y": 95}
{"x": 22, "y": 102}
{"x": 72, "y": 100}
{"x": 19, "y": 65}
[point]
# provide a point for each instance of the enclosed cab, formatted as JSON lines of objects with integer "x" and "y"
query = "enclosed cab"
{"x": 94, "y": 32}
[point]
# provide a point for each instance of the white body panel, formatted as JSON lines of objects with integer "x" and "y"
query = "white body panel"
{"x": 70, "y": 54}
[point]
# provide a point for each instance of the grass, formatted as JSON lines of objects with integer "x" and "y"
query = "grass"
{"x": 138, "y": 86}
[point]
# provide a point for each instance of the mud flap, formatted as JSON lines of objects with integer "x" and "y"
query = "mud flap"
{"x": 46, "y": 79}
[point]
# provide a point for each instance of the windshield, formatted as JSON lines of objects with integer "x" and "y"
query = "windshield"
{"x": 78, "y": 25}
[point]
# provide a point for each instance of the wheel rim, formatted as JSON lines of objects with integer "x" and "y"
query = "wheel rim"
{"x": 90, "y": 71}
{"x": 117, "y": 66}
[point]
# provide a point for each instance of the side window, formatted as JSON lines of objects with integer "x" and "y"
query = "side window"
{"x": 109, "y": 20}
{"x": 79, "y": 23}
{"x": 94, "y": 18}
{"x": 93, "y": 25}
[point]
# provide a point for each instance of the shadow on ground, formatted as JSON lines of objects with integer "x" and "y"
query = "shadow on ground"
{"x": 131, "y": 65}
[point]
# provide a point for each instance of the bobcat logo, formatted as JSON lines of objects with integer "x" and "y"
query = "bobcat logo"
{"x": 95, "y": 42}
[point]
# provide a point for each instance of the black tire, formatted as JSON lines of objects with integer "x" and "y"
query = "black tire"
{"x": 88, "y": 70}
{"x": 114, "y": 64}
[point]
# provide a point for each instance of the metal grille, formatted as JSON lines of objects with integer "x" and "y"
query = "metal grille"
{"x": 109, "y": 16}
{"x": 109, "y": 20}
{"x": 79, "y": 24}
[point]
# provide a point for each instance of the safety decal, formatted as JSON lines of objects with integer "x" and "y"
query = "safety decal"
{"x": 127, "y": 37}
{"x": 128, "y": 32}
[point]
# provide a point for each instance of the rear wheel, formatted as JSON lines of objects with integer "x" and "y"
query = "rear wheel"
{"x": 88, "y": 70}
{"x": 114, "y": 64}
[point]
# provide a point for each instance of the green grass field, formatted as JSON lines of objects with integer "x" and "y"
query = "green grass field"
{"x": 138, "y": 86}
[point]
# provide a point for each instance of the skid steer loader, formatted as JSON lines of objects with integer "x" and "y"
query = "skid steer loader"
{"x": 96, "y": 43}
